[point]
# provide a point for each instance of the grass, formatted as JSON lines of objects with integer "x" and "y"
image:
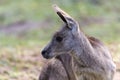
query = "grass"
{"x": 17, "y": 10}
{"x": 109, "y": 33}
{"x": 17, "y": 64}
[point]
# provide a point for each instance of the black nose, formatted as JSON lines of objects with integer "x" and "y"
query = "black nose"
{"x": 44, "y": 52}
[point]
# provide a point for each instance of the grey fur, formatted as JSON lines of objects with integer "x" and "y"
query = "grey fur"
{"x": 90, "y": 59}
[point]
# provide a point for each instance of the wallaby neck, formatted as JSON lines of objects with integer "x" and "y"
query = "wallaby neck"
{"x": 83, "y": 50}
{"x": 66, "y": 61}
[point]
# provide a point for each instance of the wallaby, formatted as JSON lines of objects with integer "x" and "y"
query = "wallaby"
{"x": 90, "y": 59}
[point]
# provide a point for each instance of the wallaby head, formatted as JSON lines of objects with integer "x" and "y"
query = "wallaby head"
{"x": 63, "y": 40}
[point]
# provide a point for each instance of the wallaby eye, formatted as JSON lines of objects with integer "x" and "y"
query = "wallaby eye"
{"x": 59, "y": 39}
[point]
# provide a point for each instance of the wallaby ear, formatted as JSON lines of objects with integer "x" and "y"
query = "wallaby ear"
{"x": 71, "y": 23}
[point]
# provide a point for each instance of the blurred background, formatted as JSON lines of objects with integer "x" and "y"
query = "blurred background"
{"x": 26, "y": 26}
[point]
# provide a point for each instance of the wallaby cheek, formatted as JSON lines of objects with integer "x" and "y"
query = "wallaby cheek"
{"x": 68, "y": 45}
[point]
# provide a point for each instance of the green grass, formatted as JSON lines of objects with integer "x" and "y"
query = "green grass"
{"x": 35, "y": 37}
{"x": 17, "y": 10}
{"x": 109, "y": 33}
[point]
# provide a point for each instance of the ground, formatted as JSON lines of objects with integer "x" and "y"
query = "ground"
{"x": 23, "y": 63}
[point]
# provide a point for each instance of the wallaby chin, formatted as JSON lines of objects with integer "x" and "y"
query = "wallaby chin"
{"x": 90, "y": 59}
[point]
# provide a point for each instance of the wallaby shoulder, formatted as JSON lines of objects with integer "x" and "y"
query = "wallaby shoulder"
{"x": 53, "y": 70}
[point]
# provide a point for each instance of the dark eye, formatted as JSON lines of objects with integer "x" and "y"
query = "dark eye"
{"x": 59, "y": 39}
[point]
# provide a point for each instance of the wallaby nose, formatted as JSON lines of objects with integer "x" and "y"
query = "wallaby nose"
{"x": 43, "y": 52}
